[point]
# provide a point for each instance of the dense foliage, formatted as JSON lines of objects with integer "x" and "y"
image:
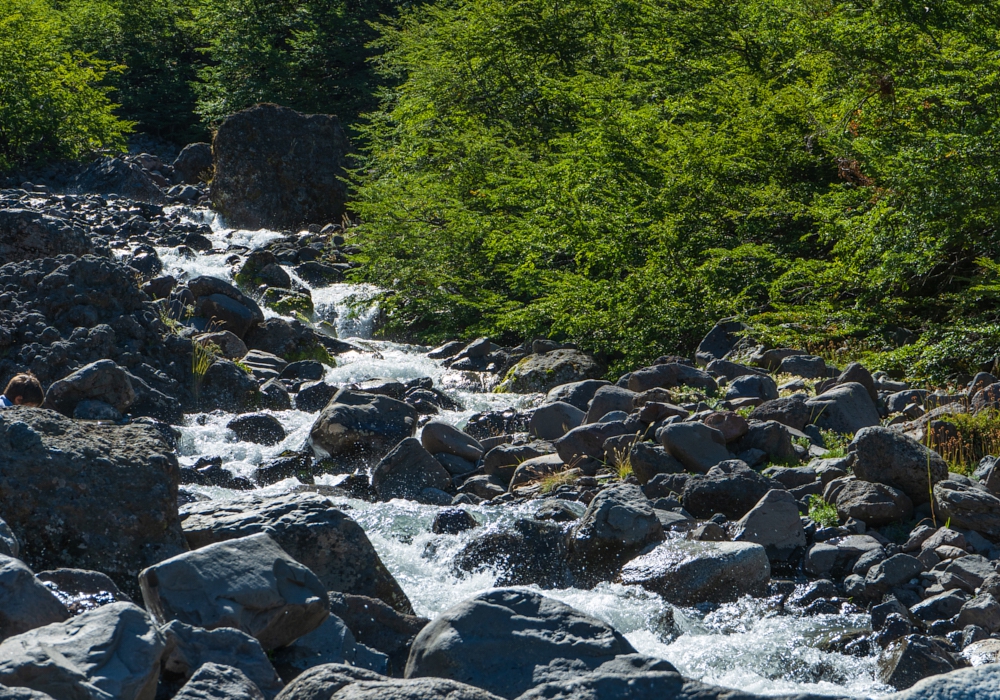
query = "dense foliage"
{"x": 625, "y": 172}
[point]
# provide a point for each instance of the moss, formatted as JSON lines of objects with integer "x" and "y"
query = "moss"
{"x": 288, "y": 303}
{"x": 316, "y": 352}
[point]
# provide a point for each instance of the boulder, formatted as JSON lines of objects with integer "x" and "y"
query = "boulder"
{"x": 118, "y": 176}
{"x": 649, "y": 460}
{"x": 724, "y": 337}
{"x": 112, "y": 652}
{"x": 913, "y": 658}
{"x": 887, "y": 457}
{"x": 407, "y": 470}
{"x": 553, "y": 420}
{"x": 279, "y": 169}
{"x": 25, "y": 603}
{"x": 670, "y": 375}
{"x": 249, "y": 583}
{"x": 968, "y": 507}
{"x": 526, "y": 552}
{"x": 99, "y": 381}
{"x": 314, "y": 396}
{"x": 194, "y": 163}
{"x": 894, "y": 571}
{"x": 846, "y": 408}
{"x": 790, "y": 410}
{"x": 81, "y": 590}
{"x": 535, "y": 469}
{"x": 330, "y": 643}
{"x": 695, "y": 445}
{"x": 873, "y": 504}
{"x": 583, "y": 447}
{"x": 854, "y": 372}
{"x": 260, "y": 428}
{"x": 963, "y": 684}
{"x": 378, "y": 626}
{"x": 608, "y": 399}
{"x": 359, "y": 423}
{"x": 689, "y": 572}
{"x": 311, "y": 529}
{"x": 227, "y": 387}
{"x": 805, "y": 366}
{"x": 542, "y": 372}
{"x": 413, "y": 689}
{"x": 752, "y": 386}
{"x": 774, "y": 524}
{"x": 770, "y": 437}
{"x": 213, "y": 681}
{"x": 731, "y": 493}
{"x": 982, "y": 611}
{"x": 733, "y": 426}
{"x": 29, "y": 235}
{"x": 471, "y": 642}
{"x": 576, "y": 394}
{"x": 441, "y": 437}
{"x": 88, "y": 496}
{"x": 986, "y": 398}
{"x": 229, "y": 344}
{"x": 291, "y": 339}
{"x": 323, "y": 682}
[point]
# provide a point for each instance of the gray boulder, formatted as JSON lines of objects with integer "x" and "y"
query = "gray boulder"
{"x": 894, "y": 571}
{"x": 25, "y": 603}
{"x": 553, "y": 420}
{"x": 963, "y": 684}
{"x": 250, "y": 584}
{"x": 720, "y": 341}
{"x": 688, "y": 572}
{"x": 213, "y": 681}
{"x": 583, "y": 447}
{"x": 413, "y": 689}
{"x": 330, "y": 643}
{"x": 378, "y": 626}
{"x": 441, "y": 437}
{"x": 22, "y": 694}
{"x": 224, "y": 306}
{"x": 307, "y": 526}
{"x": 913, "y": 658}
{"x": 193, "y": 163}
{"x": 111, "y": 653}
{"x": 576, "y": 394}
{"x": 648, "y": 460}
{"x": 118, "y": 176}
{"x": 526, "y": 552}
{"x": 359, "y": 423}
{"x": 806, "y": 366}
{"x": 407, "y": 470}
{"x": 887, "y": 457}
{"x": 695, "y": 445}
{"x": 608, "y": 399}
{"x": 9, "y": 546}
{"x": 535, "y": 469}
{"x": 732, "y": 493}
{"x": 670, "y": 375}
{"x": 260, "y": 428}
{"x": 99, "y": 381}
{"x": 854, "y": 372}
{"x": 323, "y": 682}
{"x": 471, "y": 643}
{"x": 774, "y": 524}
{"x": 846, "y": 408}
{"x": 30, "y": 235}
{"x": 227, "y": 387}
{"x": 968, "y": 507}
{"x": 982, "y": 611}
{"x": 543, "y": 372}
{"x": 873, "y": 504}
{"x": 752, "y": 386}
{"x": 790, "y": 410}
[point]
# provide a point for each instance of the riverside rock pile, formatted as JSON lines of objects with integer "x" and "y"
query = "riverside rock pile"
{"x": 748, "y": 471}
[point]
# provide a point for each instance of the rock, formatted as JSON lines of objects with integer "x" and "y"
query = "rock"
{"x": 407, "y": 470}
{"x": 886, "y": 457}
{"x": 790, "y": 410}
{"x": 670, "y": 375}
{"x": 229, "y": 312}
{"x": 111, "y": 652}
{"x": 213, "y": 681}
{"x": 913, "y": 658}
{"x": 229, "y": 344}
{"x": 308, "y": 527}
{"x": 188, "y": 648}
{"x": 553, "y": 420}
{"x": 854, "y": 372}
{"x": 689, "y": 572}
{"x": 894, "y": 571}
{"x": 542, "y": 372}
{"x": 649, "y": 460}
{"x": 967, "y": 573}
{"x": 986, "y": 398}
{"x": 274, "y": 396}
{"x": 358, "y": 423}
{"x": 941, "y": 606}
{"x": 772, "y": 438}
{"x": 535, "y": 469}
{"x": 846, "y": 408}
{"x": 9, "y": 546}
{"x": 452, "y": 521}
{"x": 30, "y": 235}
{"x": 22, "y": 694}
{"x": 80, "y": 590}
{"x": 471, "y": 642}
{"x": 968, "y": 507}
{"x": 378, "y": 626}
{"x": 249, "y": 583}
{"x": 413, "y": 689}
{"x": 720, "y": 341}
{"x": 695, "y": 445}
{"x": 25, "y": 603}
{"x": 330, "y": 643}
{"x": 732, "y": 494}
{"x": 982, "y": 611}
{"x": 608, "y": 399}
{"x": 576, "y": 394}
{"x": 873, "y": 504}
{"x": 276, "y": 168}
{"x": 314, "y": 397}
{"x": 618, "y": 524}
{"x": 733, "y": 426}
{"x": 806, "y": 366}
{"x": 88, "y": 496}
{"x": 194, "y": 163}
{"x": 752, "y": 386}
{"x": 832, "y": 556}
{"x": 117, "y": 176}
{"x": 291, "y": 339}
{"x": 963, "y": 684}
{"x": 323, "y": 682}
{"x": 260, "y": 428}
{"x": 100, "y": 381}
{"x": 442, "y": 437}
{"x": 583, "y": 447}
{"x": 228, "y": 388}
{"x": 527, "y": 552}
{"x": 774, "y": 524}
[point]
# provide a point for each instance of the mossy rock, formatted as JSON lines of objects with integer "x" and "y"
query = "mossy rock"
{"x": 288, "y": 302}
{"x": 540, "y": 372}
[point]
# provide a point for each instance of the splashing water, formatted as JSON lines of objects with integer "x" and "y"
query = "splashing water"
{"x": 745, "y": 645}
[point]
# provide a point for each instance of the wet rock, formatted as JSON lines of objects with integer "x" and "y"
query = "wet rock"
{"x": 968, "y": 507}
{"x": 223, "y": 306}
{"x": 99, "y": 381}
{"x": 963, "y": 684}
{"x": 309, "y": 528}
{"x": 213, "y": 681}
{"x": 542, "y": 372}
{"x": 25, "y": 603}
{"x": 250, "y": 584}
{"x": 553, "y": 420}
{"x": 80, "y": 590}
{"x": 304, "y": 370}
{"x": 30, "y": 235}
{"x": 774, "y": 524}
{"x": 452, "y": 521}
{"x": 330, "y": 643}
{"x": 228, "y": 388}
{"x": 260, "y": 428}
{"x": 276, "y": 168}
{"x": 470, "y": 643}
{"x": 982, "y": 611}
{"x": 886, "y": 457}
{"x": 88, "y": 496}
{"x": 527, "y": 552}
{"x": 873, "y": 504}
{"x": 314, "y": 397}
{"x": 358, "y": 423}
{"x": 194, "y": 163}
{"x": 378, "y": 626}
{"x": 913, "y": 658}
{"x": 442, "y": 437}
{"x": 407, "y": 470}
{"x": 732, "y": 494}
{"x": 229, "y": 344}
{"x": 688, "y": 572}
{"x": 274, "y": 396}
{"x": 846, "y": 408}
{"x": 695, "y": 445}
{"x": 291, "y": 339}
{"x": 535, "y": 469}
{"x": 111, "y": 652}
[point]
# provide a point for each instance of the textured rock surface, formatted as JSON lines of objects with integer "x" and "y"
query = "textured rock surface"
{"x": 27, "y": 235}
{"x": 846, "y": 408}
{"x": 542, "y": 372}
{"x": 24, "y": 602}
{"x": 213, "y": 681}
{"x": 886, "y": 457}
{"x": 359, "y": 423}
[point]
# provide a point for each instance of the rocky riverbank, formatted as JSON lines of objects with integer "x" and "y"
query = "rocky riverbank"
{"x": 225, "y": 495}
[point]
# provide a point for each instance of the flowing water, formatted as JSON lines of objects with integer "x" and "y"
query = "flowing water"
{"x": 747, "y": 645}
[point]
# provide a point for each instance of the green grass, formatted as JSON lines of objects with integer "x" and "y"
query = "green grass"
{"x": 966, "y": 439}
{"x": 836, "y": 443}
{"x": 548, "y": 484}
{"x": 823, "y": 513}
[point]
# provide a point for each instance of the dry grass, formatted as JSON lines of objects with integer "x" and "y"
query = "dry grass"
{"x": 963, "y": 439}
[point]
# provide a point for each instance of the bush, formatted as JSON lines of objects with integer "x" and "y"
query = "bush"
{"x": 52, "y": 104}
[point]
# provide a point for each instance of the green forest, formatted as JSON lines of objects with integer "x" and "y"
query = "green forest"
{"x": 617, "y": 173}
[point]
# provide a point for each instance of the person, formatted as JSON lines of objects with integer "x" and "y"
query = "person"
{"x": 23, "y": 390}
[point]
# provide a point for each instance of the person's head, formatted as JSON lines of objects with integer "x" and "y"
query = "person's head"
{"x": 25, "y": 390}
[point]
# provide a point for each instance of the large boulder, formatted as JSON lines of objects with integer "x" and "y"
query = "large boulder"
{"x": 913, "y": 658}
{"x": 789, "y": 410}
{"x": 86, "y": 496}
{"x": 311, "y": 529}
{"x": 846, "y": 408}
{"x": 731, "y": 493}
{"x": 438, "y": 437}
{"x": 99, "y": 381}
{"x": 873, "y": 504}
{"x": 968, "y": 507}
{"x": 227, "y": 387}
{"x": 223, "y": 306}
{"x": 250, "y": 584}
{"x": 413, "y": 689}
{"x": 577, "y": 394}
{"x": 29, "y": 235}
{"x": 118, "y": 176}
{"x": 356, "y": 423}
{"x": 213, "y": 681}
{"x": 407, "y": 470}
{"x": 540, "y": 372}
{"x": 887, "y": 457}
{"x": 330, "y": 643}
{"x": 608, "y": 399}
{"x": 724, "y": 337}
{"x": 378, "y": 626}
{"x": 668, "y": 376}
{"x": 324, "y": 681}
{"x": 279, "y": 169}
{"x": 583, "y": 447}
{"x": 553, "y": 420}
{"x": 688, "y": 572}
{"x": 473, "y": 642}
{"x": 110, "y": 653}
{"x": 25, "y": 602}
{"x": 194, "y": 163}
{"x": 774, "y": 524}
{"x": 695, "y": 445}
{"x": 963, "y": 684}
{"x": 527, "y": 552}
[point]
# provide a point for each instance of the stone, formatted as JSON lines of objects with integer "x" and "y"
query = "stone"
{"x": 307, "y": 526}
{"x": 774, "y": 524}
{"x": 188, "y": 648}
{"x": 770, "y": 437}
{"x": 649, "y": 460}
{"x": 894, "y": 571}
{"x": 790, "y": 410}
{"x": 576, "y": 394}
{"x": 81, "y": 590}
{"x": 617, "y": 525}
{"x": 441, "y": 437}
{"x": 228, "y": 388}
{"x": 378, "y": 626}
{"x": 962, "y": 684}
{"x": 535, "y": 469}
{"x": 720, "y": 341}
{"x": 873, "y": 504}
{"x": 968, "y": 507}
{"x": 9, "y": 546}
{"x": 452, "y": 521}
{"x": 260, "y": 428}
{"x": 982, "y": 611}
{"x": 608, "y": 399}
{"x": 732, "y": 494}
{"x": 249, "y": 583}
{"x": 100, "y": 381}
{"x": 25, "y": 603}
{"x": 733, "y": 426}
{"x": 543, "y": 372}
{"x": 986, "y": 398}
{"x": 832, "y": 556}
{"x": 110, "y": 653}
{"x": 324, "y": 681}
{"x": 942, "y": 606}
{"x": 117, "y": 176}
{"x": 890, "y": 458}
{"x": 752, "y": 386}
{"x": 314, "y": 397}
{"x": 553, "y": 420}
{"x": 670, "y": 375}
{"x": 805, "y": 366}
{"x": 88, "y": 496}
{"x": 967, "y": 573}
{"x": 471, "y": 642}
{"x": 413, "y": 689}
{"x": 526, "y": 552}
{"x": 194, "y": 163}
{"x": 856, "y": 373}
{"x": 213, "y": 681}
{"x": 330, "y": 643}
{"x": 358, "y": 423}
{"x": 913, "y": 658}
{"x": 689, "y": 572}
{"x": 276, "y": 168}
{"x": 29, "y": 235}
{"x": 695, "y": 445}
{"x": 407, "y": 470}
{"x": 229, "y": 344}
{"x": 846, "y": 409}
{"x": 583, "y": 447}
{"x": 274, "y": 396}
